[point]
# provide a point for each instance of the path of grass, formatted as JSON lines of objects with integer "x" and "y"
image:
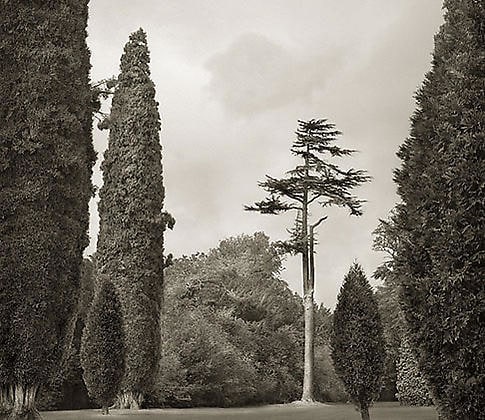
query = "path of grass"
{"x": 383, "y": 411}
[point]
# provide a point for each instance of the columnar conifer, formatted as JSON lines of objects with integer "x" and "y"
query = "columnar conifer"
{"x": 441, "y": 218}
{"x": 130, "y": 242}
{"x": 102, "y": 348}
{"x": 46, "y": 158}
{"x": 358, "y": 341}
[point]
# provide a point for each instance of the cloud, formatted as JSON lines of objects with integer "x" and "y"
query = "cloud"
{"x": 255, "y": 74}
{"x": 233, "y": 78}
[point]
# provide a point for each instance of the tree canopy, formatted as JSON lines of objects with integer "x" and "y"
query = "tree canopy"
{"x": 232, "y": 330}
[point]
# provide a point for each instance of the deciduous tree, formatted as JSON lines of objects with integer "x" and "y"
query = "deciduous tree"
{"x": 230, "y": 298}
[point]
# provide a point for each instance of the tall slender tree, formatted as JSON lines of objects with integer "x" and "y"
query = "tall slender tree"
{"x": 130, "y": 242}
{"x": 316, "y": 181}
{"x": 441, "y": 219}
{"x": 46, "y": 158}
{"x": 358, "y": 341}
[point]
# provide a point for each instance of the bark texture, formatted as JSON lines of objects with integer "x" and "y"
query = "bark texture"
{"x": 307, "y": 395}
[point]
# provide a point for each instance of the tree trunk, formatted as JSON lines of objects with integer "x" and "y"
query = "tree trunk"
{"x": 5, "y": 401}
{"x": 4, "y": 396}
{"x": 307, "y": 394}
{"x": 129, "y": 400}
{"x": 364, "y": 411}
{"x": 23, "y": 402}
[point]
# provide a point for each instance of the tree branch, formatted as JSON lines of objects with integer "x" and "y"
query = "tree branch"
{"x": 322, "y": 219}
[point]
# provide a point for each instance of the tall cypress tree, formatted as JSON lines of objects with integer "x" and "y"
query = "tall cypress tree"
{"x": 441, "y": 217}
{"x": 358, "y": 341}
{"x": 130, "y": 242}
{"x": 46, "y": 158}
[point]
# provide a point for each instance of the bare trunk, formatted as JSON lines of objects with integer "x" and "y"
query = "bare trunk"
{"x": 5, "y": 401}
{"x": 129, "y": 400}
{"x": 364, "y": 411}
{"x": 4, "y": 395}
{"x": 22, "y": 401}
{"x": 307, "y": 394}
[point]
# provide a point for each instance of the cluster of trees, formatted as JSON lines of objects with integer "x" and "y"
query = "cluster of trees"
{"x": 46, "y": 150}
{"x": 231, "y": 334}
{"x": 233, "y": 331}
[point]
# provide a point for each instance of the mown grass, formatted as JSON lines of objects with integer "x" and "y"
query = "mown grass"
{"x": 381, "y": 411}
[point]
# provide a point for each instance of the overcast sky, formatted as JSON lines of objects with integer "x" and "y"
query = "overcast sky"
{"x": 234, "y": 76}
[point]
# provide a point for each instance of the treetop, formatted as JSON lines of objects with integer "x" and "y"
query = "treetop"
{"x": 316, "y": 179}
{"x": 136, "y": 58}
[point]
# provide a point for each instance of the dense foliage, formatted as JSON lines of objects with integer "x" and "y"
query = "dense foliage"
{"x": 402, "y": 379}
{"x": 46, "y": 158}
{"x": 411, "y": 386}
{"x": 357, "y": 340}
{"x": 232, "y": 329}
{"x": 130, "y": 242}
{"x": 393, "y": 326}
{"x": 319, "y": 181}
{"x": 441, "y": 218}
{"x": 102, "y": 348}
{"x": 66, "y": 389}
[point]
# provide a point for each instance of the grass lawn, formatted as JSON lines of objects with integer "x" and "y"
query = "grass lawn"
{"x": 381, "y": 411}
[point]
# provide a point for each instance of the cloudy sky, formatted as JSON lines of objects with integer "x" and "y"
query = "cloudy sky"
{"x": 234, "y": 76}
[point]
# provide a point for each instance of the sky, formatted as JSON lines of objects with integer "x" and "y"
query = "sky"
{"x": 234, "y": 76}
